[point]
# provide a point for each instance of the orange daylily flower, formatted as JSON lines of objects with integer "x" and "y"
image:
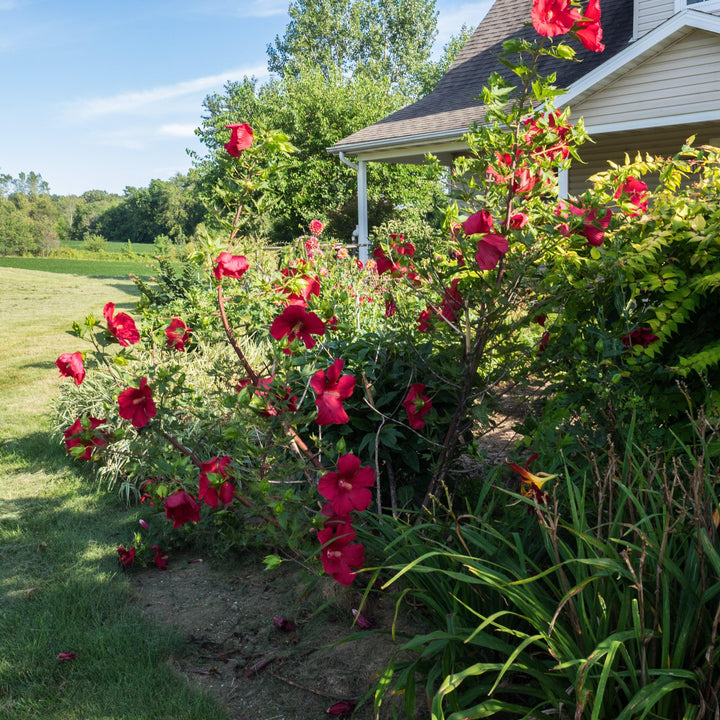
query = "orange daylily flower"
{"x": 532, "y": 482}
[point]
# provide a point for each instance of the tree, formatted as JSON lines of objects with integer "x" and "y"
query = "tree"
{"x": 391, "y": 39}
{"x": 341, "y": 65}
{"x": 315, "y": 110}
{"x": 91, "y": 205}
{"x": 28, "y": 215}
{"x": 171, "y": 208}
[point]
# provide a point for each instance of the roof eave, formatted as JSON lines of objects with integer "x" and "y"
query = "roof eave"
{"x": 408, "y": 145}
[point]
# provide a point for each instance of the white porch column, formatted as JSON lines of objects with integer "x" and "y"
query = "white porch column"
{"x": 363, "y": 246}
{"x": 563, "y": 184}
{"x": 362, "y": 226}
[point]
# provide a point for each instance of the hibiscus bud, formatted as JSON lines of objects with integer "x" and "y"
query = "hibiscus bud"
{"x": 144, "y": 524}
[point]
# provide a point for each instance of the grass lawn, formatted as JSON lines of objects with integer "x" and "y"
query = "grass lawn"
{"x": 61, "y": 589}
{"x": 95, "y": 268}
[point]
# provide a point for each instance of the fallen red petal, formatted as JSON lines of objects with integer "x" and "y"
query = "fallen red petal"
{"x": 282, "y": 623}
{"x": 341, "y": 709}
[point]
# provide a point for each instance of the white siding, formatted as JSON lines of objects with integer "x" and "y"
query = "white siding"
{"x": 614, "y": 146}
{"x": 682, "y": 79}
{"x": 651, "y": 13}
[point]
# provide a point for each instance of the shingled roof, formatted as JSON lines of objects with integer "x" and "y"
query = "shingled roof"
{"x": 450, "y": 109}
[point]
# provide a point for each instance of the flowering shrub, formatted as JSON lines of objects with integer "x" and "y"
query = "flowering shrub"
{"x": 235, "y": 403}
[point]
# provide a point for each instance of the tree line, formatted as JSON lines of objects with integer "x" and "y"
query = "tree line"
{"x": 34, "y": 222}
{"x": 340, "y": 66}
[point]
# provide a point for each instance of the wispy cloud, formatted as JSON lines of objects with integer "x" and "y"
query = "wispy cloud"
{"x": 131, "y": 103}
{"x": 177, "y": 130}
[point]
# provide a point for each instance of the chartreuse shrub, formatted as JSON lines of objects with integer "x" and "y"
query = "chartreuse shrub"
{"x": 634, "y": 332}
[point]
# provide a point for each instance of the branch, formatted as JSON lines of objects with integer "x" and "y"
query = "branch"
{"x": 233, "y": 342}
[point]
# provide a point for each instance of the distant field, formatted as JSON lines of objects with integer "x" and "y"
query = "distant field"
{"x": 90, "y": 268}
{"x": 114, "y": 247}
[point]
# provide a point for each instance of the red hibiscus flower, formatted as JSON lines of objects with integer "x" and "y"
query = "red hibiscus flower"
{"x": 82, "y": 434}
{"x": 524, "y": 181}
{"x": 209, "y": 490}
{"x": 136, "y": 404}
{"x": 426, "y": 320}
{"x": 178, "y": 333}
{"x": 635, "y": 192}
{"x": 639, "y": 336}
{"x": 401, "y": 247}
{"x": 122, "y": 326}
{"x": 452, "y": 301}
{"x": 227, "y": 265}
{"x": 544, "y": 340}
{"x": 316, "y": 227}
{"x": 71, "y": 365}
{"x": 338, "y": 556}
{"x": 588, "y": 29}
{"x": 518, "y": 221}
{"x": 490, "y": 249}
{"x": 417, "y": 406}
{"x": 330, "y": 391}
{"x": 160, "y": 560}
{"x": 241, "y": 138}
{"x": 295, "y": 323}
{"x": 383, "y": 263}
{"x": 300, "y": 287}
{"x": 181, "y": 508}
{"x": 480, "y": 222}
{"x": 348, "y": 488}
{"x": 126, "y": 557}
{"x": 594, "y": 227}
{"x": 553, "y": 17}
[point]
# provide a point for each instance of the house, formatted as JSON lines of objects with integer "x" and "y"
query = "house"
{"x": 656, "y": 84}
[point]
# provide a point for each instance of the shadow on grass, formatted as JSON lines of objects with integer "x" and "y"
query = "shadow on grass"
{"x": 37, "y": 451}
{"x": 61, "y": 590}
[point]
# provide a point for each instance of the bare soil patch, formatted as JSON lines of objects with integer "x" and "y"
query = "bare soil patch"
{"x": 238, "y": 655}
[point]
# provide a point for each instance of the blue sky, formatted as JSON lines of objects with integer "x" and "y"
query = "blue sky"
{"x": 97, "y": 94}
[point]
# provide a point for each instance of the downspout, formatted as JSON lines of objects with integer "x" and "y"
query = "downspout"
{"x": 362, "y": 228}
